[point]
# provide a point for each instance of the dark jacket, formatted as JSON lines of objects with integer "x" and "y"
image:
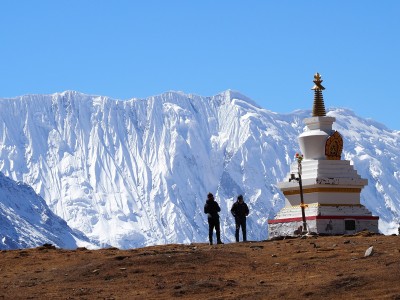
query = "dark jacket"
{"x": 212, "y": 209}
{"x": 240, "y": 210}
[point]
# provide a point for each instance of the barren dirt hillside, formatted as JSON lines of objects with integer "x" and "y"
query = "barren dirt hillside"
{"x": 308, "y": 268}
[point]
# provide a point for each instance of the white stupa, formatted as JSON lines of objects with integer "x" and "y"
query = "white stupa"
{"x": 322, "y": 191}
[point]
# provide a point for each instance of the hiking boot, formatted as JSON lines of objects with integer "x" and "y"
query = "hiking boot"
{"x": 219, "y": 242}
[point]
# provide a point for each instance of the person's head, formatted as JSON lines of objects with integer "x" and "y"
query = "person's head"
{"x": 210, "y": 196}
{"x": 240, "y": 199}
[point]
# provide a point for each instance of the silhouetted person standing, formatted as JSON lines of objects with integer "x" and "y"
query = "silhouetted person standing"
{"x": 240, "y": 211}
{"x": 211, "y": 208}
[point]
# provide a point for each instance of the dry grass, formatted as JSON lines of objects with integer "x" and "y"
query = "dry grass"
{"x": 311, "y": 268}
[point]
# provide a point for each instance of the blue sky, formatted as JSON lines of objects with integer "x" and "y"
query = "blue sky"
{"x": 267, "y": 50}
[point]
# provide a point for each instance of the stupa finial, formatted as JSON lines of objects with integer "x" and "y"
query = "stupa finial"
{"x": 319, "y": 106}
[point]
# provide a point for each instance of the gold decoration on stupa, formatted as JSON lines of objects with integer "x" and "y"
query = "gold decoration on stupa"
{"x": 334, "y": 146}
{"x": 319, "y": 106}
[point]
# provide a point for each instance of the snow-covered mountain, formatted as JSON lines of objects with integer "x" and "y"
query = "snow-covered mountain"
{"x": 137, "y": 172}
{"x": 26, "y": 221}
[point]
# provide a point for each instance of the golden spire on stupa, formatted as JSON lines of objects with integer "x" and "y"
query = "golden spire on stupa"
{"x": 319, "y": 106}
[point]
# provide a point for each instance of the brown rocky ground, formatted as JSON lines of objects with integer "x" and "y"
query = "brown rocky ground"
{"x": 311, "y": 268}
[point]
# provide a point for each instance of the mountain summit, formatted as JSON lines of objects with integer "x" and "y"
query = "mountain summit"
{"x": 136, "y": 173}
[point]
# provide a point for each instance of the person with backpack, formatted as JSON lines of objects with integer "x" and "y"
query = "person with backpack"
{"x": 240, "y": 211}
{"x": 211, "y": 208}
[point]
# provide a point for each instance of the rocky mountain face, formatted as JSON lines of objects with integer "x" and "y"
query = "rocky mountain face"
{"x": 26, "y": 221}
{"x": 135, "y": 173}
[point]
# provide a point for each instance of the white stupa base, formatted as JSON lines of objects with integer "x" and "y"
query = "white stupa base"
{"x": 323, "y": 219}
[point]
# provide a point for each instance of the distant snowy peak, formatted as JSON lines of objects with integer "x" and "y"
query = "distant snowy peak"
{"x": 340, "y": 112}
{"x": 170, "y": 96}
{"x": 235, "y": 95}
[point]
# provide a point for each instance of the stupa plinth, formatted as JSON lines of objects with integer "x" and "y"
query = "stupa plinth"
{"x": 331, "y": 186}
